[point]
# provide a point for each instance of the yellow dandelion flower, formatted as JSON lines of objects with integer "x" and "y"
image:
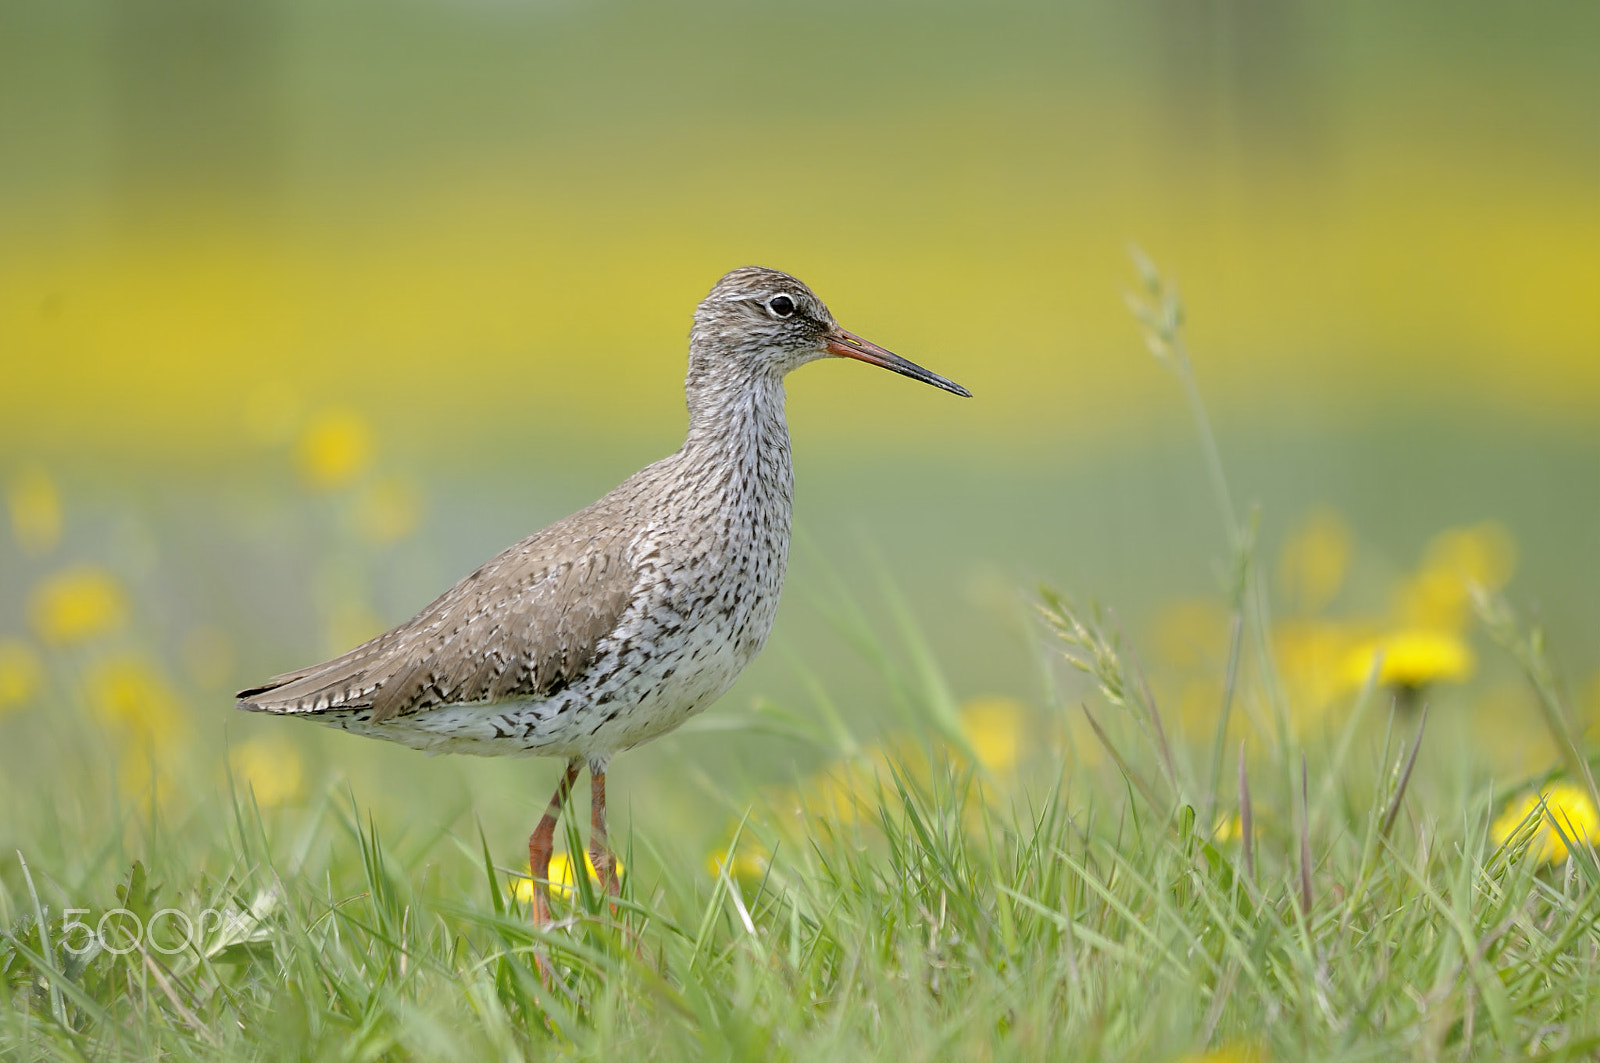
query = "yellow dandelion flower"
{"x": 563, "y": 879}
{"x": 1439, "y": 595}
{"x": 126, "y": 693}
{"x": 1315, "y": 560}
{"x": 1566, "y": 804}
{"x": 388, "y": 510}
{"x": 1413, "y": 658}
{"x": 1227, "y": 829}
{"x": 335, "y": 449}
{"x": 1483, "y": 554}
{"x": 563, "y": 883}
{"x": 21, "y": 674}
{"x": 844, "y": 792}
{"x": 269, "y": 768}
{"x": 993, "y": 727}
{"x": 35, "y": 511}
{"x": 749, "y": 864}
{"x": 1313, "y": 656}
{"x": 522, "y": 888}
{"x": 1433, "y": 598}
{"x": 77, "y": 604}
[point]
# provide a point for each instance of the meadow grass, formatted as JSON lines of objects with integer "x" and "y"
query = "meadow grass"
{"x": 1271, "y": 890}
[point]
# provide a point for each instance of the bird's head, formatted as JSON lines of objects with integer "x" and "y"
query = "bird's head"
{"x": 762, "y": 321}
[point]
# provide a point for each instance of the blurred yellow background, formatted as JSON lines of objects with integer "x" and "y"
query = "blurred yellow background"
{"x": 309, "y": 306}
{"x": 482, "y": 220}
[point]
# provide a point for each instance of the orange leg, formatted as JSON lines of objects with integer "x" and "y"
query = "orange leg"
{"x": 605, "y": 864}
{"x": 541, "y": 843}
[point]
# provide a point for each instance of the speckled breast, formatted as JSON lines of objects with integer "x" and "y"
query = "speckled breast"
{"x": 708, "y": 579}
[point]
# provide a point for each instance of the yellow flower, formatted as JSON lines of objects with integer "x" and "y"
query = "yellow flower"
{"x": 1484, "y": 554}
{"x": 1412, "y": 657}
{"x": 847, "y": 792}
{"x": 840, "y": 792}
{"x": 1433, "y": 598}
{"x": 21, "y": 673}
{"x": 127, "y": 694}
{"x": 993, "y": 727}
{"x": 388, "y": 510}
{"x": 1314, "y": 560}
{"x": 335, "y": 449}
{"x": 76, "y": 604}
{"x": 1565, "y": 803}
{"x": 1458, "y": 559}
{"x": 1227, "y": 829}
{"x": 269, "y": 768}
{"x": 35, "y": 511}
{"x": 843, "y": 792}
{"x": 750, "y": 864}
{"x": 563, "y": 882}
{"x": 1314, "y": 656}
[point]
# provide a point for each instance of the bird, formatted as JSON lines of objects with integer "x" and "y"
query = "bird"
{"x": 616, "y": 624}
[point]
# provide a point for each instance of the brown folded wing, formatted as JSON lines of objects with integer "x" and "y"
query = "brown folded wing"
{"x": 525, "y": 625}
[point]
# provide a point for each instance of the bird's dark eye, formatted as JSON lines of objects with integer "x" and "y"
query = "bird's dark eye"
{"x": 781, "y": 305}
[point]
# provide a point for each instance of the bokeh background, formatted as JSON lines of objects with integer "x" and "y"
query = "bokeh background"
{"x": 306, "y": 308}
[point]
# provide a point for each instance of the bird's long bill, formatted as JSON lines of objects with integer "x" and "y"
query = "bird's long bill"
{"x": 849, "y": 345}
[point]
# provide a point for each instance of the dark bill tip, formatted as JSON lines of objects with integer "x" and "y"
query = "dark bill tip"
{"x": 849, "y": 345}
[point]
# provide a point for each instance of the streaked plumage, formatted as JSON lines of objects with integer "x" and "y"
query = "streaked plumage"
{"x": 615, "y": 624}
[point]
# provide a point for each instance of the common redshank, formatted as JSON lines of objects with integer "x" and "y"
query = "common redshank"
{"x": 616, "y": 624}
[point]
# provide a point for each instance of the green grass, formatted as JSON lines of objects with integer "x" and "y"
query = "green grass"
{"x": 921, "y": 906}
{"x": 1083, "y": 923}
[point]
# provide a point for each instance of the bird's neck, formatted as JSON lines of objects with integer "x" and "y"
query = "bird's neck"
{"x": 737, "y": 424}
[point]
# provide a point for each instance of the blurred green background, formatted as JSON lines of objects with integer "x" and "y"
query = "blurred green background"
{"x": 306, "y": 308}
